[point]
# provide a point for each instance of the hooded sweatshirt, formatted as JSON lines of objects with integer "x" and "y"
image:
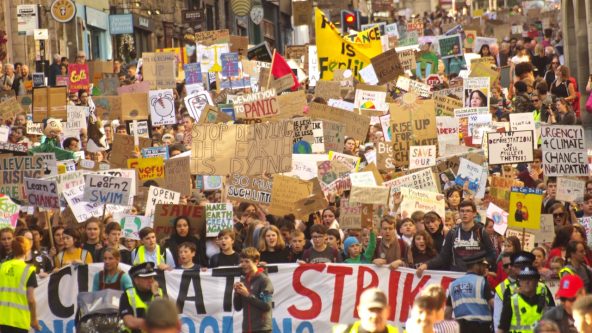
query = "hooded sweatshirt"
{"x": 258, "y": 305}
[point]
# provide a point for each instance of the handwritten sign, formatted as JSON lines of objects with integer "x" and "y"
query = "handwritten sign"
{"x": 157, "y": 195}
{"x": 564, "y": 151}
{"x": 570, "y": 190}
{"x": 162, "y": 107}
{"x": 107, "y": 189}
{"x": 42, "y": 193}
{"x": 9, "y": 212}
{"x": 148, "y": 168}
{"x": 528, "y": 237}
{"x": 422, "y": 156}
{"x": 79, "y": 77}
{"x": 15, "y": 169}
{"x": 356, "y": 126}
{"x": 387, "y": 66}
{"x": 257, "y": 105}
{"x": 250, "y": 189}
{"x": 175, "y": 169}
{"x": 218, "y": 218}
{"x": 166, "y": 214}
{"x": 156, "y": 151}
{"x": 525, "y": 207}
{"x": 159, "y": 69}
{"x": 350, "y": 214}
{"x": 510, "y": 147}
{"x": 285, "y": 193}
{"x": 423, "y": 201}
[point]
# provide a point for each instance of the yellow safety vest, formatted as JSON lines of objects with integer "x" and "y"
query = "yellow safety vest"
{"x": 141, "y": 255}
{"x": 566, "y": 270}
{"x": 356, "y": 327}
{"x": 136, "y": 302}
{"x": 14, "y": 306}
{"x": 501, "y": 288}
{"x": 524, "y": 316}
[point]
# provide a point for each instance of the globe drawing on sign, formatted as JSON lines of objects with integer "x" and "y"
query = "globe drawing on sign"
{"x": 213, "y": 182}
{"x": 302, "y": 147}
{"x": 163, "y": 105}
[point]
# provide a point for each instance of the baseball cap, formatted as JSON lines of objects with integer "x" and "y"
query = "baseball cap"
{"x": 569, "y": 286}
{"x": 373, "y": 298}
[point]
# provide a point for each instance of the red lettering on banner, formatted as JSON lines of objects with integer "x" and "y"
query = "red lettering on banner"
{"x": 392, "y": 292}
{"x": 446, "y": 281}
{"x": 360, "y": 287}
{"x": 315, "y": 299}
{"x": 410, "y": 294}
{"x": 340, "y": 273}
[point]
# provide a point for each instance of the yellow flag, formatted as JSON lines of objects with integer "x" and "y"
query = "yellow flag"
{"x": 336, "y": 52}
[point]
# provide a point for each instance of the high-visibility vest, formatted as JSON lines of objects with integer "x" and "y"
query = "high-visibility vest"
{"x": 14, "y": 306}
{"x": 524, "y": 316}
{"x": 136, "y": 302}
{"x": 501, "y": 288}
{"x": 468, "y": 301}
{"x": 141, "y": 255}
{"x": 356, "y": 327}
{"x": 566, "y": 270}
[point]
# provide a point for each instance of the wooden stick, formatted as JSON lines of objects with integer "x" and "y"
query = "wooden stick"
{"x": 48, "y": 220}
{"x": 270, "y": 69}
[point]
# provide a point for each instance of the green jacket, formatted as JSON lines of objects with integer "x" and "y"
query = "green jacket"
{"x": 366, "y": 257}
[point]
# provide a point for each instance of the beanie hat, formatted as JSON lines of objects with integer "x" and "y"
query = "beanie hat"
{"x": 349, "y": 241}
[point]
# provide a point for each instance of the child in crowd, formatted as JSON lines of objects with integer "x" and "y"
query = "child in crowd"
{"x": 297, "y": 242}
{"x": 352, "y": 248}
{"x": 186, "y": 252}
{"x": 334, "y": 239}
{"x": 227, "y": 255}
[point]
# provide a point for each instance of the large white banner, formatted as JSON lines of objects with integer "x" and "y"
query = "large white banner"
{"x": 307, "y": 298}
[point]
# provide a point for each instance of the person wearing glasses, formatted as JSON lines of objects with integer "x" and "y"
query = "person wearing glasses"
{"x": 464, "y": 240}
{"x": 550, "y": 74}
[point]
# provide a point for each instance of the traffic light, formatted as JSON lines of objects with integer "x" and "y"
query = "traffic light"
{"x": 350, "y": 20}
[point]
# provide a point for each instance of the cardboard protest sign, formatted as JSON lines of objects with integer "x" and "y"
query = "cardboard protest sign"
{"x": 525, "y": 207}
{"x": 446, "y": 105}
{"x": 422, "y": 156}
{"x": 352, "y": 161}
{"x": 147, "y": 168}
{"x": 499, "y": 217}
{"x": 141, "y": 127}
{"x": 257, "y": 105}
{"x": 476, "y": 92}
{"x": 107, "y": 189}
{"x": 546, "y": 233}
{"x": 250, "y": 189}
{"x": 350, "y": 214}
{"x": 9, "y": 109}
{"x": 510, "y": 147}
{"x": 49, "y": 103}
{"x": 196, "y": 103}
{"x": 416, "y": 87}
{"x": 134, "y": 106}
{"x": 138, "y": 87}
{"x": 484, "y": 70}
{"x": 166, "y": 214}
{"x": 365, "y": 178}
{"x": 480, "y": 41}
{"x": 9, "y": 213}
{"x": 528, "y": 237}
{"x": 162, "y": 107}
{"x": 132, "y": 224}
{"x": 447, "y": 128}
{"x": 159, "y": 69}
{"x": 15, "y": 169}
{"x": 303, "y": 135}
{"x": 122, "y": 149}
{"x": 376, "y": 195}
{"x": 42, "y": 193}
{"x": 221, "y": 149}
{"x": 212, "y": 37}
{"x": 570, "y": 190}
{"x": 420, "y": 180}
{"x": 564, "y": 151}
{"x": 212, "y": 115}
{"x": 387, "y": 66}
{"x": 328, "y": 89}
{"x": 107, "y": 87}
{"x": 291, "y": 104}
{"x": 157, "y": 195}
{"x": 356, "y": 126}
{"x": 423, "y": 201}
{"x": 285, "y": 192}
{"x": 79, "y": 77}
{"x": 449, "y": 46}
{"x": 218, "y": 218}
{"x": 407, "y": 59}
{"x": 107, "y": 107}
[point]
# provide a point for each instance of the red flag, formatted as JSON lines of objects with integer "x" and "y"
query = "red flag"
{"x": 280, "y": 67}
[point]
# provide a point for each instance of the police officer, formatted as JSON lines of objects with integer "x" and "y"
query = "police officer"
{"x": 17, "y": 291}
{"x": 508, "y": 287}
{"x": 522, "y": 311}
{"x": 471, "y": 297}
{"x": 134, "y": 302}
{"x": 374, "y": 311}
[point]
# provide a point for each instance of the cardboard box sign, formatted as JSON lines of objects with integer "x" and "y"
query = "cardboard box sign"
{"x": 166, "y": 214}
{"x": 49, "y": 103}
{"x": 135, "y": 106}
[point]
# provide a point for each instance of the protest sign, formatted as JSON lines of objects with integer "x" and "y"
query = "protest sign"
{"x": 218, "y": 218}
{"x": 211, "y": 37}
{"x": 422, "y": 156}
{"x": 510, "y": 147}
{"x": 76, "y": 119}
{"x": 527, "y": 239}
{"x": 480, "y": 41}
{"x": 156, "y": 151}
{"x": 407, "y": 59}
{"x": 352, "y": 161}
{"x": 175, "y": 169}
{"x": 123, "y": 149}
{"x": 285, "y": 192}
{"x": 192, "y": 73}
{"x": 365, "y": 178}
{"x": 416, "y": 87}
{"x": 166, "y": 214}
{"x": 420, "y": 180}
{"x": 353, "y": 56}
{"x": 107, "y": 87}
{"x": 82, "y": 210}
{"x": 131, "y": 225}
{"x": 328, "y": 89}
{"x": 446, "y": 105}
{"x": 303, "y": 135}
{"x": 525, "y": 122}
{"x": 570, "y": 190}
{"x": 447, "y": 128}
{"x": 301, "y": 300}
{"x": 469, "y": 175}
{"x": 15, "y": 169}
{"x": 107, "y": 189}
{"x": 376, "y": 195}
{"x": 79, "y": 77}
{"x": 476, "y": 92}
{"x": 49, "y": 102}
{"x": 483, "y": 69}
{"x": 197, "y": 102}
{"x": 546, "y": 233}
{"x": 135, "y": 106}
{"x": 107, "y": 107}
{"x": 499, "y": 217}
{"x": 423, "y": 201}
{"x": 564, "y": 151}
{"x": 140, "y": 127}
{"x": 525, "y": 207}
{"x": 134, "y": 88}
{"x": 158, "y": 69}
{"x": 463, "y": 115}
{"x": 350, "y": 215}
{"x": 449, "y": 46}
{"x": 9, "y": 212}
{"x": 250, "y": 189}
{"x": 291, "y": 104}
{"x": 9, "y": 108}
{"x": 42, "y": 193}
{"x": 162, "y": 107}
{"x": 221, "y": 149}
{"x": 157, "y": 195}
{"x": 257, "y": 105}
{"x": 147, "y": 168}
{"x": 387, "y": 66}
{"x": 356, "y": 126}
{"x": 260, "y": 52}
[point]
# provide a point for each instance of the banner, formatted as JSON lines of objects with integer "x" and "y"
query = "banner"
{"x": 335, "y": 52}
{"x": 301, "y": 300}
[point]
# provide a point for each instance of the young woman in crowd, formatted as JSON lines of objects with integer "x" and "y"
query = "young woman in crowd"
{"x": 72, "y": 252}
{"x": 6, "y": 237}
{"x": 93, "y": 238}
{"x": 422, "y": 247}
{"x": 111, "y": 277}
{"x": 182, "y": 234}
{"x": 272, "y": 246}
